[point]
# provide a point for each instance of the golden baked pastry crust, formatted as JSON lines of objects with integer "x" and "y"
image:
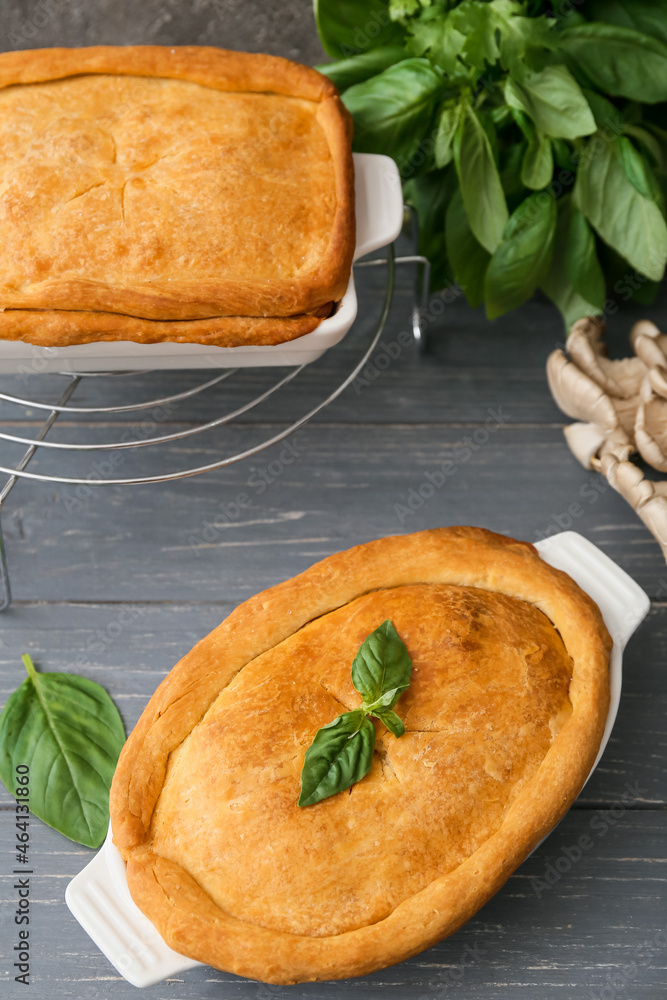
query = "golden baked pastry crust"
{"x": 503, "y": 719}
{"x": 170, "y": 185}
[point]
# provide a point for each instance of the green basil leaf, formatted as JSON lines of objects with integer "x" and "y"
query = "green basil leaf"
{"x": 554, "y": 101}
{"x": 606, "y": 114}
{"x": 401, "y": 10}
{"x": 538, "y": 163}
{"x": 637, "y": 170}
{"x": 430, "y": 195}
{"x": 498, "y": 31}
{"x": 382, "y": 668}
{"x": 581, "y": 261}
{"x": 630, "y": 223}
{"x": 347, "y": 27}
{"x": 436, "y": 36}
{"x": 562, "y": 153}
{"x": 656, "y": 150}
{"x": 647, "y": 16}
{"x": 510, "y": 169}
{"x": 556, "y": 283}
{"x": 394, "y": 110}
{"x": 480, "y": 185}
{"x": 522, "y": 260}
{"x": 618, "y": 61}
{"x": 444, "y": 140}
{"x": 340, "y": 755}
{"x": 392, "y": 721}
{"x": 346, "y": 72}
{"x": 67, "y": 730}
{"x": 468, "y": 258}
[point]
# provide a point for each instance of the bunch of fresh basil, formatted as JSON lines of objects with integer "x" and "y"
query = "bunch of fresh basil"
{"x": 528, "y": 134}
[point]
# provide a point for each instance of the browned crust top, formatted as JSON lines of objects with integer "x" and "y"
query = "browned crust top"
{"x": 187, "y": 917}
{"x": 291, "y": 298}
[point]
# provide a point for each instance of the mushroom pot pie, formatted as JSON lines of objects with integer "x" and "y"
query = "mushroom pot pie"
{"x": 153, "y": 194}
{"x": 503, "y": 718}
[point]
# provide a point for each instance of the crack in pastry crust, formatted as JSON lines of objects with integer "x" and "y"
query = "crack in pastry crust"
{"x": 144, "y": 185}
{"x": 518, "y": 787}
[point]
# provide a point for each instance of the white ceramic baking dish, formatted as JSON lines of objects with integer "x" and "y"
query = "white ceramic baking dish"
{"x": 379, "y": 210}
{"x": 99, "y": 897}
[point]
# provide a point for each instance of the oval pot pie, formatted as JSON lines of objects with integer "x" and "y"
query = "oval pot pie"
{"x": 503, "y": 717}
{"x": 158, "y": 194}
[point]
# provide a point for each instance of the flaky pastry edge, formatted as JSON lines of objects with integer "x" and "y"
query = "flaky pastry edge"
{"x": 144, "y": 315}
{"x": 189, "y": 920}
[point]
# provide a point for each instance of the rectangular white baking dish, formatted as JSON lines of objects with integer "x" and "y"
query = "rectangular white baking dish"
{"x": 99, "y": 897}
{"x": 379, "y": 211}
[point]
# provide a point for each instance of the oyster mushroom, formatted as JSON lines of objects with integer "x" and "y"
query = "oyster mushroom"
{"x": 621, "y": 409}
{"x": 651, "y": 419}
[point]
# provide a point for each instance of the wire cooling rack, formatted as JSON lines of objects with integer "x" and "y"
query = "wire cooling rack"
{"x": 83, "y": 415}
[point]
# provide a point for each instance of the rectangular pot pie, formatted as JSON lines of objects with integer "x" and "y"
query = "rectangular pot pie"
{"x": 503, "y": 718}
{"x": 154, "y": 194}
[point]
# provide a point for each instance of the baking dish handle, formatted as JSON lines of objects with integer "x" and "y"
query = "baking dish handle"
{"x": 379, "y": 202}
{"x": 622, "y": 602}
{"x": 100, "y": 900}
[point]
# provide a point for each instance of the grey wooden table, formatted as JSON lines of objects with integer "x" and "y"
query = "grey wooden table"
{"x": 120, "y": 582}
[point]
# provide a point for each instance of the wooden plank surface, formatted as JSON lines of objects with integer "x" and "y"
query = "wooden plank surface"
{"x": 558, "y": 929}
{"x": 118, "y": 583}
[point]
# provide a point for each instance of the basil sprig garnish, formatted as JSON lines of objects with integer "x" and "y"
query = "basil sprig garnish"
{"x": 342, "y": 751}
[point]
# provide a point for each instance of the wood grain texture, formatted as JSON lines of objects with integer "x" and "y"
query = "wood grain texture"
{"x": 602, "y": 920}
{"x": 118, "y": 583}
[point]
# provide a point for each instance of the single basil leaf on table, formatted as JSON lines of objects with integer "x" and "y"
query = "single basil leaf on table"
{"x": 346, "y": 27}
{"x": 392, "y": 721}
{"x": 618, "y": 61}
{"x": 556, "y": 283}
{"x": 630, "y": 223}
{"x": 346, "y": 72}
{"x": 647, "y": 16}
{"x": 340, "y": 755}
{"x": 69, "y": 732}
{"x": 479, "y": 181}
{"x": 553, "y": 100}
{"x": 382, "y": 668}
{"x": 394, "y": 111}
{"x": 581, "y": 261}
{"x": 524, "y": 256}
{"x": 467, "y": 256}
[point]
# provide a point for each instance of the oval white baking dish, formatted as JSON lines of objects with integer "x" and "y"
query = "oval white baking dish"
{"x": 99, "y": 897}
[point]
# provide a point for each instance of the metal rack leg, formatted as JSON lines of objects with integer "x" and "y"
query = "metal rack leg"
{"x": 5, "y": 582}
